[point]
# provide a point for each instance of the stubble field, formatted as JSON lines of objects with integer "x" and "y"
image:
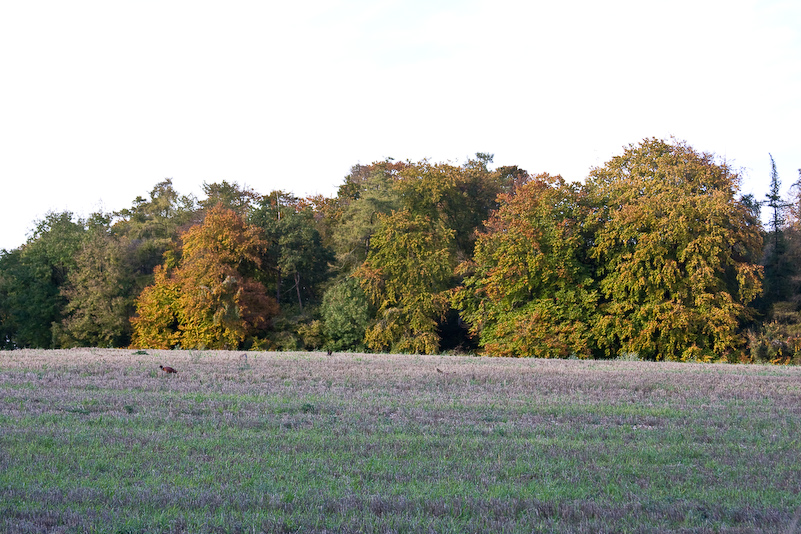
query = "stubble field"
{"x": 101, "y": 440}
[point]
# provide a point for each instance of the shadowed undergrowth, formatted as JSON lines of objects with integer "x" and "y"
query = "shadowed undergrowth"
{"x": 99, "y": 440}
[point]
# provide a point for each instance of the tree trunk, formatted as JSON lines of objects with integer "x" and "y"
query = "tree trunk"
{"x": 297, "y": 288}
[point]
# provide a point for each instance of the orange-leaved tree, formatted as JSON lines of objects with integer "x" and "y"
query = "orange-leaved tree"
{"x": 205, "y": 295}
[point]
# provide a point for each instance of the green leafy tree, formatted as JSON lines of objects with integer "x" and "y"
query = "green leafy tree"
{"x": 529, "y": 291}
{"x": 402, "y": 221}
{"x": 150, "y": 226}
{"x": 202, "y": 297}
{"x": 346, "y": 315}
{"x": 367, "y": 194}
{"x": 232, "y": 196}
{"x": 325, "y": 211}
{"x": 778, "y": 338}
{"x": 778, "y": 270}
{"x": 406, "y": 277}
{"x": 32, "y": 279}
{"x": 788, "y": 309}
{"x": 462, "y": 197}
{"x": 673, "y": 247}
{"x": 10, "y": 316}
{"x": 98, "y": 292}
{"x": 775, "y": 201}
{"x": 295, "y": 251}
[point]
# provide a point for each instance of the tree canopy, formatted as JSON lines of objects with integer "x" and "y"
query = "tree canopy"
{"x": 655, "y": 255}
{"x": 202, "y": 296}
{"x": 406, "y": 276}
{"x": 673, "y": 248}
{"x": 529, "y": 291}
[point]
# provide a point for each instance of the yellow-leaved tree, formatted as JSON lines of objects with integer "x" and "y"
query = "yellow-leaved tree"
{"x": 676, "y": 253}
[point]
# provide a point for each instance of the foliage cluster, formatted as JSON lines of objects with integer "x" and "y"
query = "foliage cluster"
{"x": 655, "y": 254}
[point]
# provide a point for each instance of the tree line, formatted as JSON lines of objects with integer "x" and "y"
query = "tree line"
{"x": 655, "y": 255}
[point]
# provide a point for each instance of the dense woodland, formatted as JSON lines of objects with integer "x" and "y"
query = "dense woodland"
{"x": 655, "y": 255}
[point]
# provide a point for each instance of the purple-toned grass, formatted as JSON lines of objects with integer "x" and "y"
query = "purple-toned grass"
{"x": 304, "y": 442}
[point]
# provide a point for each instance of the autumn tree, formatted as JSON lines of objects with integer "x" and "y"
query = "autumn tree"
{"x": 462, "y": 197}
{"x": 411, "y": 254}
{"x": 406, "y": 275}
{"x": 674, "y": 250}
{"x": 353, "y": 216}
{"x": 529, "y": 290}
{"x": 157, "y": 322}
{"x": 205, "y": 296}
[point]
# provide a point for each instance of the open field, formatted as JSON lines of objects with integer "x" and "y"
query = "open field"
{"x": 102, "y": 440}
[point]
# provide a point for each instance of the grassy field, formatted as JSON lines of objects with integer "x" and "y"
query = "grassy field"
{"x": 98, "y": 440}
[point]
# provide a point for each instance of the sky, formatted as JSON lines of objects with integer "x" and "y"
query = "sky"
{"x": 101, "y": 100}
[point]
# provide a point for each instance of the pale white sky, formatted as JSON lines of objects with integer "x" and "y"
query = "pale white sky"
{"x": 100, "y": 100}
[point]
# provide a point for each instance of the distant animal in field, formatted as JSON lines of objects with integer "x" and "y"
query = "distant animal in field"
{"x": 167, "y": 369}
{"x": 329, "y": 352}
